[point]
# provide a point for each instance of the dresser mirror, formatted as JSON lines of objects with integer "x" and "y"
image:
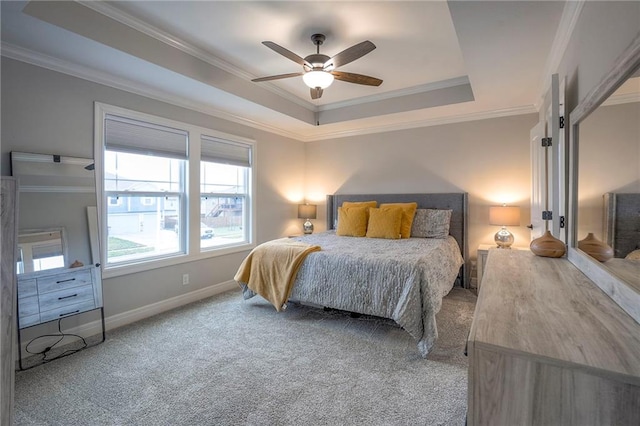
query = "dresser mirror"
{"x": 605, "y": 162}
{"x": 41, "y": 249}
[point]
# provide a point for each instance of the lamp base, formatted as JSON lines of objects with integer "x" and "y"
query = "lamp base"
{"x": 308, "y": 227}
{"x": 504, "y": 238}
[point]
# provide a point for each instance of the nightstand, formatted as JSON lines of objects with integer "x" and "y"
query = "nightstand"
{"x": 483, "y": 251}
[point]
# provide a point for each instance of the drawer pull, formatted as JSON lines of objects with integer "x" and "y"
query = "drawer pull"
{"x": 64, "y": 281}
{"x": 69, "y": 313}
{"x": 67, "y": 297}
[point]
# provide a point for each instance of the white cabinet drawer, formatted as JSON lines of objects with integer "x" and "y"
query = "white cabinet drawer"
{"x": 65, "y": 311}
{"x": 68, "y": 296}
{"x": 27, "y": 288}
{"x": 65, "y": 280}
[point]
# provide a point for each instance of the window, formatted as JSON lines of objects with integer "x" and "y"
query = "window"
{"x": 144, "y": 169}
{"x": 224, "y": 190}
{"x": 153, "y": 211}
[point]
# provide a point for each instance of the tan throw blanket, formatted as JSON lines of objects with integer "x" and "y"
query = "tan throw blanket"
{"x": 270, "y": 269}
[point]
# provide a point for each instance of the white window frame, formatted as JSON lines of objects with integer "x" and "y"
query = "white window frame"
{"x": 193, "y": 250}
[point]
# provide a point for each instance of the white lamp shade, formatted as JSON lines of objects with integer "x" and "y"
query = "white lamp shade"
{"x": 504, "y": 216}
{"x": 321, "y": 79}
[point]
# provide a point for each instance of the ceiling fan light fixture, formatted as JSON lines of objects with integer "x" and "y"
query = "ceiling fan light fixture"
{"x": 321, "y": 79}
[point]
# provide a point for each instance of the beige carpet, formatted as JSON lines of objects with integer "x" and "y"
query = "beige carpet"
{"x": 226, "y": 361}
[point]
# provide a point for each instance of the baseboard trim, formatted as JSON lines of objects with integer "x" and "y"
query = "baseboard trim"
{"x": 118, "y": 320}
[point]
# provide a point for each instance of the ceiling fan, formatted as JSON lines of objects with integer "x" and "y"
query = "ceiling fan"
{"x": 319, "y": 70}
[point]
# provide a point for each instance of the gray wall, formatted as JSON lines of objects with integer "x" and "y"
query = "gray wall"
{"x": 49, "y": 112}
{"x": 603, "y": 31}
{"x": 489, "y": 159}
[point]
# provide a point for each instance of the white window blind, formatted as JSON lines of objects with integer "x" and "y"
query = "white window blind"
{"x": 138, "y": 137}
{"x": 225, "y": 152}
{"x": 43, "y": 251}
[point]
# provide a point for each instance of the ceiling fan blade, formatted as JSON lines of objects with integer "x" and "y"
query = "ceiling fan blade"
{"x": 277, "y": 77}
{"x": 350, "y": 54}
{"x": 350, "y": 77}
{"x": 316, "y": 93}
{"x": 287, "y": 53}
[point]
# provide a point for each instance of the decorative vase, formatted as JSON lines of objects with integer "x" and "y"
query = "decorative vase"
{"x": 595, "y": 248}
{"x": 547, "y": 246}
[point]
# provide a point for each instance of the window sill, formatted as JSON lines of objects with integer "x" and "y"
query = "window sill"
{"x": 134, "y": 268}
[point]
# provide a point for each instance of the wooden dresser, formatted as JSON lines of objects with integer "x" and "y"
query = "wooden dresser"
{"x": 548, "y": 347}
{"x": 50, "y": 295}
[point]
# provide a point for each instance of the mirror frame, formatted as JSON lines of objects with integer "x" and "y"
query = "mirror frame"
{"x": 622, "y": 293}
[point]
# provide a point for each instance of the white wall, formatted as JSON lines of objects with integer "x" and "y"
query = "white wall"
{"x": 44, "y": 111}
{"x": 48, "y": 112}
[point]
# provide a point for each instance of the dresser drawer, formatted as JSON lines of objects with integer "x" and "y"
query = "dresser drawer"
{"x": 28, "y": 306}
{"x": 27, "y": 288}
{"x": 65, "y": 280}
{"x": 28, "y": 311}
{"x": 68, "y": 296}
{"x": 29, "y": 320}
{"x": 68, "y": 310}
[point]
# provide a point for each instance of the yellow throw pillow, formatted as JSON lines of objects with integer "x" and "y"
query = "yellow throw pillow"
{"x": 373, "y": 204}
{"x": 408, "y": 212}
{"x": 352, "y": 221}
{"x": 384, "y": 223}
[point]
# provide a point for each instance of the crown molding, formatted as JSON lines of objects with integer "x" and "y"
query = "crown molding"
{"x": 570, "y": 14}
{"x": 459, "y": 118}
{"x": 116, "y": 14}
{"x": 452, "y": 82}
{"x": 90, "y": 74}
{"x": 99, "y": 77}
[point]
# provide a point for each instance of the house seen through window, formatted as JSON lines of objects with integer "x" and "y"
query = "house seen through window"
{"x": 149, "y": 202}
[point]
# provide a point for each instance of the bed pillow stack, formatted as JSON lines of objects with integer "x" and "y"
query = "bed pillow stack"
{"x": 365, "y": 219}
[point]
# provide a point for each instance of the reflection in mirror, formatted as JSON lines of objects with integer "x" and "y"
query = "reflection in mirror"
{"x": 57, "y": 192}
{"x": 609, "y": 162}
{"x": 39, "y": 250}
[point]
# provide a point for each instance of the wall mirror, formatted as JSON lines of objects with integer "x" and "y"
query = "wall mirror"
{"x": 605, "y": 181}
{"x": 57, "y": 198}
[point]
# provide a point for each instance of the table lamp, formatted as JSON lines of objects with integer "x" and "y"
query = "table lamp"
{"x": 307, "y": 211}
{"x": 504, "y": 216}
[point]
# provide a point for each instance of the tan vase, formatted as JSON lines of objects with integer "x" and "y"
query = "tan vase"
{"x": 595, "y": 248}
{"x": 547, "y": 246}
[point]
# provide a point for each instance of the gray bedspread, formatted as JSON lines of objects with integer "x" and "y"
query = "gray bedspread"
{"x": 404, "y": 280}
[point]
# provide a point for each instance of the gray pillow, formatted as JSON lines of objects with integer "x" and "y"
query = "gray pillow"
{"x": 431, "y": 223}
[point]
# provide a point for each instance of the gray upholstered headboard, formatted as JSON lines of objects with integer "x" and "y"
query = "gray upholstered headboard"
{"x": 622, "y": 222}
{"x": 456, "y": 201}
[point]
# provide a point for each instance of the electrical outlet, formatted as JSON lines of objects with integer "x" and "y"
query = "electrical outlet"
{"x": 185, "y": 279}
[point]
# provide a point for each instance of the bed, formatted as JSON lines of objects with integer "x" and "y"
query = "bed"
{"x": 400, "y": 279}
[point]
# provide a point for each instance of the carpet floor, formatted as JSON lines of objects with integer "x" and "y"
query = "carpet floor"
{"x": 227, "y": 361}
